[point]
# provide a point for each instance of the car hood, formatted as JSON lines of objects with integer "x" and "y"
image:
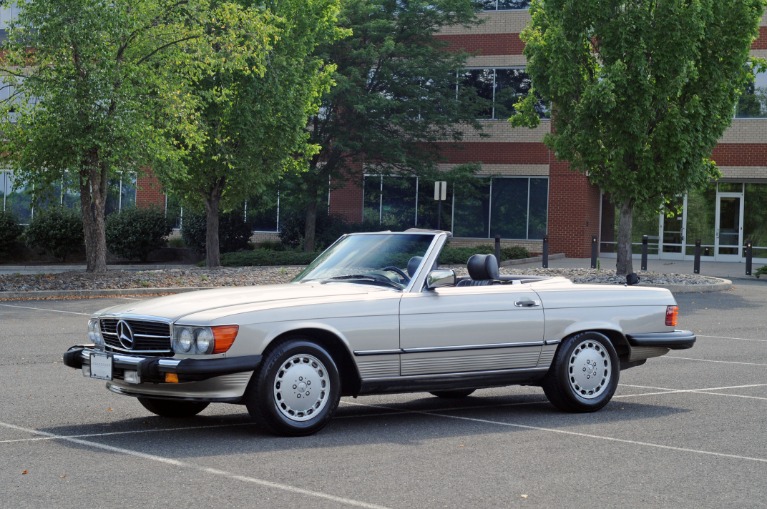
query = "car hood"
{"x": 235, "y": 300}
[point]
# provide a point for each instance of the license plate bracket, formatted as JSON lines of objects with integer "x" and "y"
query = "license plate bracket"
{"x": 101, "y": 365}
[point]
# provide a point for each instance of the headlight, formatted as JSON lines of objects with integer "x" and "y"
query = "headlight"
{"x": 203, "y": 340}
{"x": 94, "y": 332}
{"x": 184, "y": 340}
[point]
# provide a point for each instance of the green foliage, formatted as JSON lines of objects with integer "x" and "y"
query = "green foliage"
{"x": 328, "y": 229}
{"x": 761, "y": 271}
{"x": 640, "y": 91}
{"x": 106, "y": 89}
{"x": 134, "y": 233}
{"x": 460, "y": 255}
{"x": 394, "y": 97}
{"x": 57, "y": 231}
{"x": 10, "y": 231}
{"x": 266, "y": 257}
{"x": 234, "y": 232}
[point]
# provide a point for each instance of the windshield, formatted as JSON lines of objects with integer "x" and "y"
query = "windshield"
{"x": 384, "y": 259}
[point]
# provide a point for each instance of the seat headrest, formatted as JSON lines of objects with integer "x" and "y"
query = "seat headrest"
{"x": 482, "y": 267}
{"x": 412, "y": 265}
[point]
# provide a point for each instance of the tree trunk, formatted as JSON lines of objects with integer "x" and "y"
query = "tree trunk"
{"x": 93, "y": 185}
{"x": 624, "y": 265}
{"x": 212, "y": 252}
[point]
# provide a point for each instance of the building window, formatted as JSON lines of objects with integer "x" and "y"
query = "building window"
{"x": 512, "y": 207}
{"x": 753, "y": 102}
{"x": 504, "y": 5}
{"x": 501, "y": 88}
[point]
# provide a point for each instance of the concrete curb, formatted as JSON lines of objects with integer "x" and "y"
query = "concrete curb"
{"x": 95, "y": 294}
{"x": 720, "y": 286}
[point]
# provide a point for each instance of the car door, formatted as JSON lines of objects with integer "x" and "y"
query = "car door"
{"x": 470, "y": 329}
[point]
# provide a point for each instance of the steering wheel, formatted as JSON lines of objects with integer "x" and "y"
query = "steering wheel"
{"x": 401, "y": 273}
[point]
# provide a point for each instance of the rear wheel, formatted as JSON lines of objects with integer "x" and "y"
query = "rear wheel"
{"x": 584, "y": 374}
{"x": 173, "y": 409}
{"x": 453, "y": 394}
{"x": 296, "y": 391}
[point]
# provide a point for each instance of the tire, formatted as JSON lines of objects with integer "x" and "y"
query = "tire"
{"x": 453, "y": 394}
{"x": 173, "y": 409}
{"x": 296, "y": 391}
{"x": 584, "y": 374}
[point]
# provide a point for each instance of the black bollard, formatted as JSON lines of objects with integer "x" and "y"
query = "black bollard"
{"x": 696, "y": 265}
{"x": 594, "y": 247}
{"x": 644, "y": 252}
{"x": 749, "y": 256}
{"x": 545, "y": 251}
{"x": 498, "y": 249}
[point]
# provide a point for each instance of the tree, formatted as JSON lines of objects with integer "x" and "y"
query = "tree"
{"x": 640, "y": 92}
{"x": 250, "y": 128}
{"x": 394, "y": 98}
{"x": 94, "y": 89}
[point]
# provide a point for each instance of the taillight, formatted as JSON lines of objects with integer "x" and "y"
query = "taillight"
{"x": 672, "y": 313}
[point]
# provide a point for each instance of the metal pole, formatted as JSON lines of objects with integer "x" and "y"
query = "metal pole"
{"x": 594, "y": 247}
{"x": 696, "y": 265}
{"x": 498, "y": 249}
{"x": 546, "y": 252}
{"x": 644, "y": 252}
{"x": 439, "y": 215}
{"x": 749, "y": 257}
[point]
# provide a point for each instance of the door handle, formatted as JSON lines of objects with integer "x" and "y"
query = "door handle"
{"x": 527, "y": 303}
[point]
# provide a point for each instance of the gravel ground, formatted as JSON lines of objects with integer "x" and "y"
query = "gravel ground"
{"x": 194, "y": 277}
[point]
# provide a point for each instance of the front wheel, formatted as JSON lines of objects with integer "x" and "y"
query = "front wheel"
{"x": 584, "y": 374}
{"x": 173, "y": 409}
{"x": 296, "y": 391}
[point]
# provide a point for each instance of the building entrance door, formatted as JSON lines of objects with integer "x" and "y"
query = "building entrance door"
{"x": 728, "y": 239}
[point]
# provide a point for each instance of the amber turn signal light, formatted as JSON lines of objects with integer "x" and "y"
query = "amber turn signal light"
{"x": 225, "y": 336}
{"x": 171, "y": 378}
{"x": 672, "y": 313}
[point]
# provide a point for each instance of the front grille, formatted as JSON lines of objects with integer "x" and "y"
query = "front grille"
{"x": 148, "y": 336}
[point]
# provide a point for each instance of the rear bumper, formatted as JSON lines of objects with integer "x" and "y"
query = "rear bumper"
{"x": 674, "y": 340}
{"x": 153, "y": 369}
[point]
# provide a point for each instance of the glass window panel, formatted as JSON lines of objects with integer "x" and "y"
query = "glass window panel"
{"x": 173, "y": 210}
{"x": 539, "y": 208}
{"x": 755, "y": 220}
{"x": 18, "y": 200}
{"x": 398, "y": 202}
{"x": 481, "y": 80}
{"x": 730, "y": 187}
{"x": 488, "y": 5}
{"x": 472, "y": 209}
{"x": 673, "y": 219}
{"x": 513, "y": 4}
{"x": 429, "y": 208}
{"x": 371, "y": 201}
{"x": 113, "y": 196}
{"x": 510, "y": 86}
{"x": 509, "y": 208}
{"x": 128, "y": 192}
{"x": 701, "y": 212}
{"x": 753, "y": 101}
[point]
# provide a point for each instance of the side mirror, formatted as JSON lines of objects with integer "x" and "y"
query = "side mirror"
{"x": 439, "y": 278}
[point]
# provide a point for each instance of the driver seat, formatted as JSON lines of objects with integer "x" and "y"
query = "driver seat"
{"x": 483, "y": 270}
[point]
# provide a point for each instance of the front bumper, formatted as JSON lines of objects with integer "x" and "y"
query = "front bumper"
{"x": 154, "y": 369}
{"x": 674, "y": 340}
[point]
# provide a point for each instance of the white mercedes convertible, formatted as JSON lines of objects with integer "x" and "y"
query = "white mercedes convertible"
{"x": 375, "y": 313}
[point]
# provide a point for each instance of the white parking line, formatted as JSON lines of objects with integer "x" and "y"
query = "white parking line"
{"x": 736, "y": 339}
{"x": 44, "y": 309}
{"x": 581, "y": 435}
{"x": 711, "y": 390}
{"x": 667, "y": 357}
{"x": 206, "y": 470}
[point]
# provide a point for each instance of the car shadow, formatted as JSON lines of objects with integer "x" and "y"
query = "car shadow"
{"x": 357, "y": 422}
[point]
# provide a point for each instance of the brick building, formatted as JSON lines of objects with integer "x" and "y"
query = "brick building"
{"x": 522, "y": 193}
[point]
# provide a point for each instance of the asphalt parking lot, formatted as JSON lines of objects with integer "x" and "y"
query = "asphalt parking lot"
{"x": 685, "y": 430}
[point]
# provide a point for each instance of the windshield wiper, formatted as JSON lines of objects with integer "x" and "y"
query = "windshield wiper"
{"x": 367, "y": 278}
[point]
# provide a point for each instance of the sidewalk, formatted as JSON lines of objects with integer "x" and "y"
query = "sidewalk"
{"x": 724, "y": 270}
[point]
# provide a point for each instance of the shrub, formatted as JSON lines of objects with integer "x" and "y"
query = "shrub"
{"x": 327, "y": 230}
{"x": 761, "y": 271}
{"x": 233, "y": 232}
{"x": 57, "y": 231}
{"x": 265, "y": 257}
{"x": 134, "y": 233}
{"x": 460, "y": 255}
{"x": 10, "y": 231}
